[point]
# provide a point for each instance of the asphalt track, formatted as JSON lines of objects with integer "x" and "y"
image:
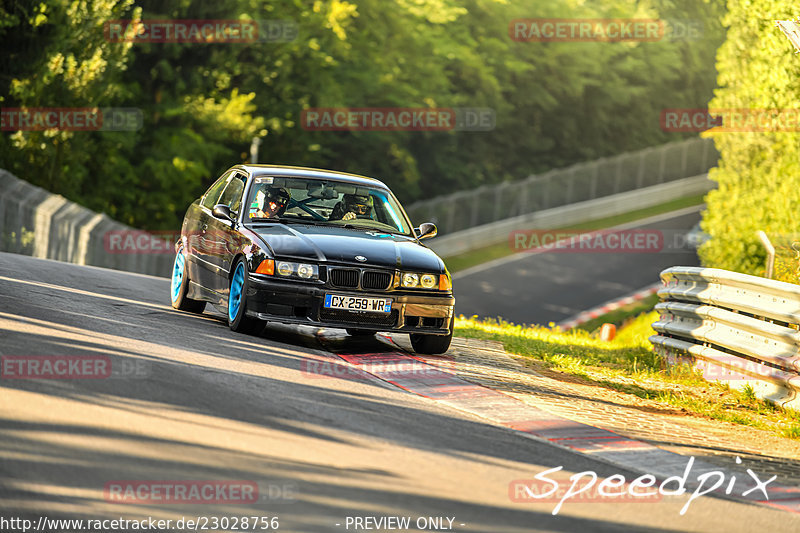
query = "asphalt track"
{"x": 538, "y": 288}
{"x": 204, "y": 403}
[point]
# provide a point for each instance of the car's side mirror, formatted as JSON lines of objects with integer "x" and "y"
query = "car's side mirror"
{"x": 223, "y": 212}
{"x": 426, "y": 230}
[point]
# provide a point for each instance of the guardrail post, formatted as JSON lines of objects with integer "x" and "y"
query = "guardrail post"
{"x": 476, "y": 196}
{"x": 570, "y": 185}
{"x": 706, "y": 148}
{"x": 640, "y": 175}
{"x": 546, "y": 194}
{"x": 770, "y": 252}
{"x": 595, "y": 177}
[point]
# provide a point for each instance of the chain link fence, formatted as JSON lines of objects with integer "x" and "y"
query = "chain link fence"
{"x": 577, "y": 183}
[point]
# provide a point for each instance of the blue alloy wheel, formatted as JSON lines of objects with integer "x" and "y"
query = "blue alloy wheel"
{"x": 177, "y": 275}
{"x": 235, "y": 298}
{"x": 179, "y": 286}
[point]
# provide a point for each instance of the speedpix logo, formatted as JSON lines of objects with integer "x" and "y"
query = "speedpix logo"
{"x": 587, "y": 486}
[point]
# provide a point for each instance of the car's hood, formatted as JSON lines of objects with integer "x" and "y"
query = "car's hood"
{"x": 342, "y": 245}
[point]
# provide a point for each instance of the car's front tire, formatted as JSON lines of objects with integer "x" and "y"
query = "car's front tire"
{"x": 432, "y": 344}
{"x": 238, "y": 321}
{"x": 180, "y": 285}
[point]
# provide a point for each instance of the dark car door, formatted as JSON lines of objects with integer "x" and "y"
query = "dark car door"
{"x": 223, "y": 239}
{"x": 200, "y": 241}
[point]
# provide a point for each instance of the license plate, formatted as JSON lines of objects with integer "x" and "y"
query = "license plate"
{"x": 358, "y": 303}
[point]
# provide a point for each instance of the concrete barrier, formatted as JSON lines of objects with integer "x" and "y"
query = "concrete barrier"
{"x": 37, "y": 223}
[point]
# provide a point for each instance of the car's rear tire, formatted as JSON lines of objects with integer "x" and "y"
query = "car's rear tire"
{"x": 355, "y": 332}
{"x": 432, "y": 344}
{"x": 180, "y": 285}
{"x": 238, "y": 321}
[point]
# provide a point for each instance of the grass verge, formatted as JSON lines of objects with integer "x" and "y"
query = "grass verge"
{"x": 628, "y": 365}
{"x": 621, "y": 316}
{"x": 502, "y": 249}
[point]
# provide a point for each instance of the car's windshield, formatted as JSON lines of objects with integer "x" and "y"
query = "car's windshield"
{"x": 328, "y": 202}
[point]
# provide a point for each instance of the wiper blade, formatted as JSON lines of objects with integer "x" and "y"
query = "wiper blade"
{"x": 286, "y": 220}
{"x": 371, "y": 228}
{"x": 299, "y": 221}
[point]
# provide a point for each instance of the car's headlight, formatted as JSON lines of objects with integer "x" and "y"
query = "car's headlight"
{"x": 285, "y": 268}
{"x": 414, "y": 280}
{"x": 306, "y": 271}
{"x": 288, "y": 269}
{"x": 410, "y": 279}
{"x": 428, "y": 281}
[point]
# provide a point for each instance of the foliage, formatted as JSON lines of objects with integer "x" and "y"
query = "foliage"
{"x": 759, "y": 173}
{"x": 202, "y": 103}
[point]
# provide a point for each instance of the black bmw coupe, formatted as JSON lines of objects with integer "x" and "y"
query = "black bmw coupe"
{"x": 316, "y": 247}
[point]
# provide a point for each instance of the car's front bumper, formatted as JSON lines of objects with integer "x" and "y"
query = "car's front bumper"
{"x": 297, "y": 303}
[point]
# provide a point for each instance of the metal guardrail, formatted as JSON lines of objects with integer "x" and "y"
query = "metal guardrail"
{"x": 565, "y": 186}
{"x": 736, "y": 328}
{"x": 567, "y": 215}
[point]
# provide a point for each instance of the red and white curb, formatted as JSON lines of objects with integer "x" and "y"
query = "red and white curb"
{"x": 607, "y": 307}
{"x": 424, "y": 376}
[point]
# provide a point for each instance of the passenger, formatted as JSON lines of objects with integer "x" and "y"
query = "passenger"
{"x": 353, "y": 206}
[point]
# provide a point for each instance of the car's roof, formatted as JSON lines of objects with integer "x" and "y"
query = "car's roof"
{"x": 317, "y": 173}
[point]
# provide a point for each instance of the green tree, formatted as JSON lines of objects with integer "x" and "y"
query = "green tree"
{"x": 202, "y": 103}
{"x": 54, "y": 55}
{"x": 759, "y": 172}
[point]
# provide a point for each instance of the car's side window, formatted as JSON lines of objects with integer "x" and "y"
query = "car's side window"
{"x": 232, "y": 197}
{"x": 211, "y": 196}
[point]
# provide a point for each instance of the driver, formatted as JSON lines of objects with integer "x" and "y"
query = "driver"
{"x": 270, "y": 202}
{"x": 353, "y": 206}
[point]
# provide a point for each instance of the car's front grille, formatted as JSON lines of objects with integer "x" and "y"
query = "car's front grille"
{"x": 348, "y": 278}
{"x": 344, "y": 277}
{"x": 375, "y": 279}
{"x": 356, "y": 319}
